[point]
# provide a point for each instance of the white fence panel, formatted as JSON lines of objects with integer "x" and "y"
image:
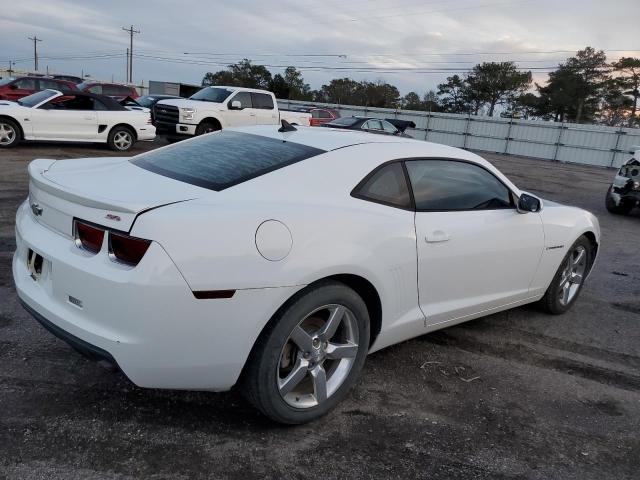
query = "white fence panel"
{"x": 566, "y": 142}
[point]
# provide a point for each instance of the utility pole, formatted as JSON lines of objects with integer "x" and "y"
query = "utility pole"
{"x": 130, "y": 31}
{"x": 10, "y": 71}
{"x": 35, "y": 41}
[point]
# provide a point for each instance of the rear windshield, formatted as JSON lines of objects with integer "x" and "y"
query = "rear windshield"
{"x": 223, "y": 159}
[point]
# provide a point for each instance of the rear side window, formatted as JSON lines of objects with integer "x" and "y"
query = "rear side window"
{"x": 443, "y": 185}
{"x": 387, "y": 185}
{"x": 223, "y": 159}
{"x": 262, "y": 100}
{"x": 26, "y": 84}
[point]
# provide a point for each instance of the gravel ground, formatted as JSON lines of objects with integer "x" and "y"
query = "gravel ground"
{"x": 553, "y": 397}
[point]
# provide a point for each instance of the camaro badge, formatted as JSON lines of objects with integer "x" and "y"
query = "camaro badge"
{"x": 36, "y": 209}
{"x": 111, "y": 216}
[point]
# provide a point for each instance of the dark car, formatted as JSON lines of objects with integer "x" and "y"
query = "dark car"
{"x": 624, "y": 193}
{"x": 115, "y": 90}
{"x": 372, "y": 125}
{"x": 16, "y": 88}
{"x": 149, "y": 101}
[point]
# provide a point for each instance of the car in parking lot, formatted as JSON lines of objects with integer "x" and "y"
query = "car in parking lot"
{"x": 624, "y": 193}
{"x": 216, "y": 107}
{"x": 72, "y": 116}
{"x": 16, "y": 88}
{"x": 278, "y": 260}
{"x": 372, "y": 125}
{"x": 115, "y": 90}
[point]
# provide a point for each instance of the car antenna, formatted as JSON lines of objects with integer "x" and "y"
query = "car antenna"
{"x": 287, "y": 127}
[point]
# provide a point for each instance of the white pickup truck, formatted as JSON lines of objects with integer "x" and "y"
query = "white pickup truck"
{"x": 215, "y": 108}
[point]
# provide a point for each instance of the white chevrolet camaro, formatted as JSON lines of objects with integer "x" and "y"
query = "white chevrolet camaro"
{"x": 278, "y": 260}
{"x": 72, "y": 116}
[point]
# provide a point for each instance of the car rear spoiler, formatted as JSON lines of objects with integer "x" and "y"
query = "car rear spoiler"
{"x": 401, "y": 125}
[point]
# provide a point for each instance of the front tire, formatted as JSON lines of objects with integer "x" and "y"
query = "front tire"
{"x": 309, "y": 355}
{"x": 623, "y": 207}
{"x": 121, "y": 139}
{"x": 206, "y": 127}
{"x": 569, "y": 279}
{"x": 9, "y": 133}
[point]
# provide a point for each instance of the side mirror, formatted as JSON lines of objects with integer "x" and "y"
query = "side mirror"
{"x": 528, "y": 203}
{"x": 236, "y": 105}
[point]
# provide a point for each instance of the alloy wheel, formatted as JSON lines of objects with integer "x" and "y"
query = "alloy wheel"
{"x": 572, "y": 275}
{"x": 122, "y": 140}
{"x": 7, "y": 134}
{"x": 318, "y": 355}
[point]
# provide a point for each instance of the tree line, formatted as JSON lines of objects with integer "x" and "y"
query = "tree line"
{"x": 585, "y": 88}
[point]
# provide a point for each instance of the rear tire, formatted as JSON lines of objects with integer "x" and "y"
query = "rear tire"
{"x": 206, "y": 127}
{"x": 309, "y": 355}
{"x": 10, "y": 134}
{"x": 569, "y": 279}
{"x": 121, "y": 139}
{"x": 621, "y": 208}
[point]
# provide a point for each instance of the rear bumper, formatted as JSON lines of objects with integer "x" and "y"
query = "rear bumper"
{"x": 146, "y": 319}
{"x": 90, "y": 351}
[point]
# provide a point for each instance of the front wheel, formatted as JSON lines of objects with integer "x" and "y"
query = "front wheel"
{"x": 569, "y": 279}
{"x": 309, "y": 355}
{"x": 622, "y": 207}
{"x": 206, "y": 127}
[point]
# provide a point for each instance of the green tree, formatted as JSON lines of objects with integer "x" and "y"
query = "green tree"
{"x": 241, "y": 74}
{"x": 628, "y": 74}
{"x": 298, "y": 90}
{"x": 279, "y": 87}
{"x": 527, "y": 105}
{"x": 411, "y": 101}
{"x": 452, "y": 95}
{"x": 494, "y": 83}
{"x": 559, "y": 97}
{"x": 615, "y": 105}
{"x": 590, "y": 70}
{"x": 430, "y": 101}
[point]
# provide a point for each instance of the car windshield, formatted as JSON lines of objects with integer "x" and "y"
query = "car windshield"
{"x": 345, "y": 121}
{"x": 223, "y": 159}
{"x": 145, "y": 101}
{"x": 212, "y": 94}
{"x": 36, "y": 98}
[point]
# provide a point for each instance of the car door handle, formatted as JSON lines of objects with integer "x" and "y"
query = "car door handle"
{"x": 437, "y": 236}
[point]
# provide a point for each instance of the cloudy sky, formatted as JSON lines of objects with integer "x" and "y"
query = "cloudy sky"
{"x": 414, "y": 44}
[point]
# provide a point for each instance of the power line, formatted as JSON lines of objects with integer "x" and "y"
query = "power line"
{"x": 131, "y": 31}
{"x": 35, "y": 41}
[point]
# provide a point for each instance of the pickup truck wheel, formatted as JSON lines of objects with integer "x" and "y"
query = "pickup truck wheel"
{"x": 120, "y": 139}
{"x": 206, "y": 127}
{"x": 9, "y": 133}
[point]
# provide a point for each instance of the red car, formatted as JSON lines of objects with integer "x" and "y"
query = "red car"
{"x": 115, "y": 90}
{"x": 16, "y": 88}
{"x": 320, "y": 116}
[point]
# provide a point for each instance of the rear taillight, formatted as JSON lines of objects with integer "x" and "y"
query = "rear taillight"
{"x": 126, "y": 249}
{"x": 88, "y": 237}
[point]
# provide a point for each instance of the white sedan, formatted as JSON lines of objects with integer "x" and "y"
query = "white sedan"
{"x": 72, "y": 116}
{"x": 278, "y": 260}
